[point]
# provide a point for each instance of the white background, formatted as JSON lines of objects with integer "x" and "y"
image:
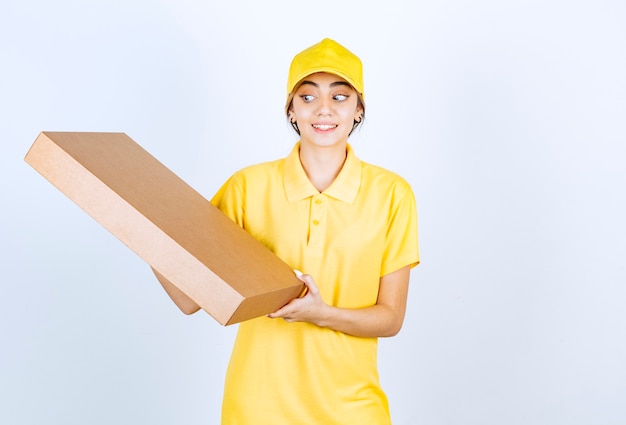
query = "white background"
{"x": 508, "y": 118}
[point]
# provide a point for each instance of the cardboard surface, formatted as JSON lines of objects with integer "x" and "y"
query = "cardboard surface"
{"x": 186, "y": 240}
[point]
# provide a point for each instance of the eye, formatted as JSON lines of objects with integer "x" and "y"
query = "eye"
{"x": 340, "y": 97}
{"x": 307, "y": 98}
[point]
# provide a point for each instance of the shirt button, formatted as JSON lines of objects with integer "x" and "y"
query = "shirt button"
{"x": 316, "y": 222}
{"x": 318, "y": 201}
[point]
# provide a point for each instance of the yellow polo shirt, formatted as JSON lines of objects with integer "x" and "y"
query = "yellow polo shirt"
{"x": 362, "y": 227}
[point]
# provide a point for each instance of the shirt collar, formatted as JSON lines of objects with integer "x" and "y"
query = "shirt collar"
{"x": 344, "y": 188}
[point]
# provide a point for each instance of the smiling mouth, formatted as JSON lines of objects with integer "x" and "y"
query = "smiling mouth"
{"x": 324, "y": 127}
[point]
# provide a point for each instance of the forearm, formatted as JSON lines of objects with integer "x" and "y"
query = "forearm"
{"x": 374, "y": 321}
{"x": 182, "y": 301}
{"x": 382, "y": 319}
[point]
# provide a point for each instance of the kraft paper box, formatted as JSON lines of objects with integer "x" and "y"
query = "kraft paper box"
{"x": 186, "y": 240}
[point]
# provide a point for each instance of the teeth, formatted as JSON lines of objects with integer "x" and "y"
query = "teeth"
{"x": 324, "y": 126}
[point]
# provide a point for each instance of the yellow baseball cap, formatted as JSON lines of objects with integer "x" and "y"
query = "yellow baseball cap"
{"x": 326, "y": 56}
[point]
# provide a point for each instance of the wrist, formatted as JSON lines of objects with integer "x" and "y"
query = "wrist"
{"x": 324, "y": 317}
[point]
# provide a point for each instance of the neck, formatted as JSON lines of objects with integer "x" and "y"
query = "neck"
{"x": 322, "y": 164}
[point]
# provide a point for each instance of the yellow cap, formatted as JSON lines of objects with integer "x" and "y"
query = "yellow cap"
{"x": 326, "y": 56}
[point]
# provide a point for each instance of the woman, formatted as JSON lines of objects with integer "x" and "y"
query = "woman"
{"x": 351, "y": 228}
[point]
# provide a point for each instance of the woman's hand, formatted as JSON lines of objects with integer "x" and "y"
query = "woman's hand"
{"x": 383, "y": 319}
{"x": 308, "y": 308}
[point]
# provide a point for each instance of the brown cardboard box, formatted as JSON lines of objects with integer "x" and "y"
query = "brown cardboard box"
{"x": 187, "y": 241}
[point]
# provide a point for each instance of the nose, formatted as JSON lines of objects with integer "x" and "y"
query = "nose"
{"x": 324, "y": 106}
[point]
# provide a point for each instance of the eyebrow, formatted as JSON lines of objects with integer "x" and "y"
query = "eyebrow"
{"x": 334, "y": 84}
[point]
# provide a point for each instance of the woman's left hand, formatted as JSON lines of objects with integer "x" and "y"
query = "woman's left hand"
{"x": 308, "y": 308}
{"x": 379, "y": 320}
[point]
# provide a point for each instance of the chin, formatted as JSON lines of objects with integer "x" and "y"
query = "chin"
{"x": 324, "y": 143}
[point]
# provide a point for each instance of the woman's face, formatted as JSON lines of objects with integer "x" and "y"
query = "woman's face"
{"x": 325, "y": 107}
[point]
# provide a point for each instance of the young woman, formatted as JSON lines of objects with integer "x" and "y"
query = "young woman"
{"x": 351, "y": 228}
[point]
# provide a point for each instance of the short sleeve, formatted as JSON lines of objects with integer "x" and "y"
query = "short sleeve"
{"x": 401, "y": 243}
{"x": 230, "y": 199}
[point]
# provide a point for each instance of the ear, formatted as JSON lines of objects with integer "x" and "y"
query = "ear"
{"x": 358, "y": 114}
{"x": 292, "y": 116}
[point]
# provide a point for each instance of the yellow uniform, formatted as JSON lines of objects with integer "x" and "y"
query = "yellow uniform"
{"x": 362, "y": 227}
